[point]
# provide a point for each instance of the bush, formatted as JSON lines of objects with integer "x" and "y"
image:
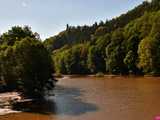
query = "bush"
{"x": 100, "y": 74}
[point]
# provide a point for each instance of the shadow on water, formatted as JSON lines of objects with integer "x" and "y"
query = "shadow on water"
{"x": 66, "y": 101}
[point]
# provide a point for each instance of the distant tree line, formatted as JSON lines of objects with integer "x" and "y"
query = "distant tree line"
{"x": 82, "y": 34}
{"x": 126, "y": 44}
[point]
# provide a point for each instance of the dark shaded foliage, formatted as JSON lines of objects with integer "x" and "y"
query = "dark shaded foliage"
{"x": 25, "y": 64}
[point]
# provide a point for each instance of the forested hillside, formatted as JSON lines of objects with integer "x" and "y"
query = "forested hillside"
{"x": 129, "y": 43}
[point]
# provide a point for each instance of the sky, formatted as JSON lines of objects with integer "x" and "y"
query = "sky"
{"x": 49, "y": 17}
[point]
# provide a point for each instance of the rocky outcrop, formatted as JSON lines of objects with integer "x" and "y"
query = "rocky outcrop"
{"x": 6, "y": 99}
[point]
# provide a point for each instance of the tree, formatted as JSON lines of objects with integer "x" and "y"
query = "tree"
{"x": 146, "y": 55}
{"x": 17, "y": 33}
{"x": 116, "y": 46}
{"x": 72, "y": 61}
{"x": 114, "y": 60}
{"x": 115, "y": 53}
{"x": 149, "y": 49}
{"x": 131, "y": 57}
{"x": 59, "y": 64}
{"x": 8, "y": 67}
{"x": 33, "y": 66}
{"x": 130, "y": 61}
{"x": 95, "y": 60}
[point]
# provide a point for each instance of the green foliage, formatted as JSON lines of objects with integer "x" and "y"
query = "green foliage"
{"x": 149, "y": 55}
{"x": 129, "y": 43}
{"x": 72, "y": 61}
{"x": 33, "y": 65}
{"x": 117, "y": 46}
{"x": 131, "y": 57}
{"x": 95, "y": 60}
{"x": 115, "y": 53}
{"x": 130, "y": 62}
{"x": 133, "y": 48}
{"x": 16, "y": 34}
{"x": 82, "y": 34}
{"x": 99, "y": 74}
{"x": 145, "y": 55}
{"x": 25, "y": 63}
{"x": 7, "y": 67}
{"x": 71, "y": 36}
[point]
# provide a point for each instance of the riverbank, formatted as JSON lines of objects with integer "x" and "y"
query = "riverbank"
{"x": 87, "y": 75}
{"x": 93, "y": 98}
{"x": 6, "y": 99}
{"x": 63, "y": 76}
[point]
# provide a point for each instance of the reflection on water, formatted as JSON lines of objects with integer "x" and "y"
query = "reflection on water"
{"x": 42, "y": 107}
{"x": 90, "y": 98}
{"x": 67, "y": 102}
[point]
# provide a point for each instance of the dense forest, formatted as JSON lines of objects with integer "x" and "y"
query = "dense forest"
{"x": 128, "y": 44}
{"x": 25, "y": 64}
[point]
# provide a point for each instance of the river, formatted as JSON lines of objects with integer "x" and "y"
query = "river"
{"x": 91, "y": 98}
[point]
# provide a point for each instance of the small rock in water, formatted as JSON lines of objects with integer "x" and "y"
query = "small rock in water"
{"x": 6, "y": 99}
{"x": 7, "y": 111}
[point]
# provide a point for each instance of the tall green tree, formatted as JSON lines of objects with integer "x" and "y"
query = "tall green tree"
{"x": 34, "y": 66}
{"x": 115, "y": 53}
{"x": 17, "y": 33}
{"x": 131, "y": 57}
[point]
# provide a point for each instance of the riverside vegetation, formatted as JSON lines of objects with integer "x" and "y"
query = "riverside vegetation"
{"x": 127, "y": 44}
{"x": 25, "y": 64}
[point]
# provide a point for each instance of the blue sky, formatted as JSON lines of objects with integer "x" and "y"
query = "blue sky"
{"x": 49, "y": 17}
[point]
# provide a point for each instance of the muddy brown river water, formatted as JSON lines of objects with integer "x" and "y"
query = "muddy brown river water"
{"x": 91, "y": 98}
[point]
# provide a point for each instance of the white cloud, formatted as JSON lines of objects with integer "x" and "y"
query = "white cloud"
{"x": 24, "y": 4}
